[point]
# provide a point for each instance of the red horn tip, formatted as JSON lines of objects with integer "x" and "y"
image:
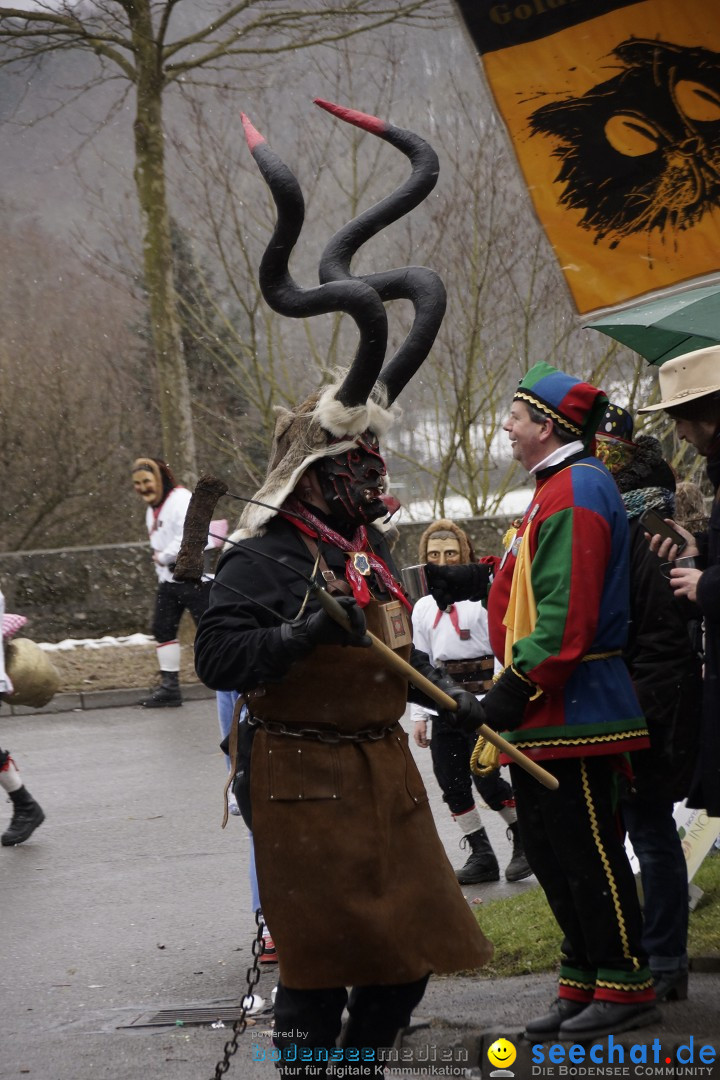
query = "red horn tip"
{"x": 351, "y": 116}
{"x": 252, "y": 135}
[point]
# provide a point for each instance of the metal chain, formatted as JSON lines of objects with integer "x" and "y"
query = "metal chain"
{"x": 253, "y": 978}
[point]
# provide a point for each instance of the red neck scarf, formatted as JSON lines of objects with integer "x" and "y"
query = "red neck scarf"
{"x": 452, "y": 612}
{"x": 316, "y": 528}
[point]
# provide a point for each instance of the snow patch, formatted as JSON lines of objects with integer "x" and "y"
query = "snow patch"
{"x": 96, "y": 643}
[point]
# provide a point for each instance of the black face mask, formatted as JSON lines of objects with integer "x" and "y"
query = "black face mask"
{"x": 353, "y": 483}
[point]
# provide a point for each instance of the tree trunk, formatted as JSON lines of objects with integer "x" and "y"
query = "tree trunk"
{"x": 172, "y": 379}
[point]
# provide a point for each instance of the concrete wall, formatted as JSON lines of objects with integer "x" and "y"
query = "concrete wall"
{"x": 92, "y": 591}
{"x": 80, "y": 592}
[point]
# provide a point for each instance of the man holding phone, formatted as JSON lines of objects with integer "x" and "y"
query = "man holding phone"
{"x": 690, "y": 395}
{"x": 656, "y": 525}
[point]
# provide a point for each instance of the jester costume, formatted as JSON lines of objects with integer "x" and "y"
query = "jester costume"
{"x": 574, "y": 538}
{"x": 558, "y": 609}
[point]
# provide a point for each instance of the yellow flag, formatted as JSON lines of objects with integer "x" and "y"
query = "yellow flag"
{"x": 614, "y": 113}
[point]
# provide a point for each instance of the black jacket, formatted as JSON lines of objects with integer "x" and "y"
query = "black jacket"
{"x": 705, "y": 789}
{"x": 666, "y": 674}
{"x": 238, "y": 645}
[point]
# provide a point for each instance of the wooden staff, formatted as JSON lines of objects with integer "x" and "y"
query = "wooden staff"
{"x": 189, "y": 568}
{"x": 441, "y": 699}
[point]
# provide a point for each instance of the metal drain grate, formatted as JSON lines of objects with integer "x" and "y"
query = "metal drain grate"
{"x": 199, "y": 1014}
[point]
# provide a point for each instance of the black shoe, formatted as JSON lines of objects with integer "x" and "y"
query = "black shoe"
{"x": 167, "y": 695}
{"x": 482, "y": 864}
{"x": 518, "y": 868}
{"x": 671, "y": 985}
{"x": 602, "y": 1018}
{"x": 25, "y": 821}
{"x": 549, "y": 1024}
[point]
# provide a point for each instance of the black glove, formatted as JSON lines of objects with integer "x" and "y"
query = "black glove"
{"x": 449, "y": 584}
{"x": 303, "y": 635}
{"x": 504, "y": 704}
{"x": 470, "y": 714}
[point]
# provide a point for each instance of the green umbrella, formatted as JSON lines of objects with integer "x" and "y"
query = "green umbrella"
{"x": 669, "y": 327}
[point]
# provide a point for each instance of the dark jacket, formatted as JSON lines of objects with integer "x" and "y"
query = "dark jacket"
{"x": 705, "y": 788}
{"x": 666, "y": 674}
{"x": 238, "y": 645}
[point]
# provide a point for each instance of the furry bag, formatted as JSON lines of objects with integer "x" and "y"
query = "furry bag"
{"x": 35, "y": 680}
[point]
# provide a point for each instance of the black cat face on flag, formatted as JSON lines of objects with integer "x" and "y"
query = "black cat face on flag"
{"x": 641, "y": 150}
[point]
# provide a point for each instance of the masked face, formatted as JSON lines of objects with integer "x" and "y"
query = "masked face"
{"x": 615, "y": 454}
{"x": 443, "y": 551}
{"x": 148, "y": 486}
{"x": 353, "y": 483}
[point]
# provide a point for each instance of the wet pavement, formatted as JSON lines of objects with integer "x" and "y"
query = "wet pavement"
{"x": 130, "y": 899}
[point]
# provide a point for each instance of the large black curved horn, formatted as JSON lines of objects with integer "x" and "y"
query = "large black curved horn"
{"x": 423, "y": 287}
{"x": 285, "y": 296}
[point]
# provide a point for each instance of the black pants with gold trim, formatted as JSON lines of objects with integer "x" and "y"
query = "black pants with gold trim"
{"x": 574, "y": 844}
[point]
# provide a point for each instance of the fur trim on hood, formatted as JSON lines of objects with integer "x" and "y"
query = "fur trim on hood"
{"x": 303, "y": 435}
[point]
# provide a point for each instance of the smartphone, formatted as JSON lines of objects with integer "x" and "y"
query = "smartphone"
{"x": 653, "y": 522}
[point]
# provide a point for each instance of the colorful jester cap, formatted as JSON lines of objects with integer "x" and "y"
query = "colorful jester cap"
{"x": 617, "y": 423}
{"x": 574, "y": 406}
{"x": 615, "y": 446}
{"x": 635, "y": 464}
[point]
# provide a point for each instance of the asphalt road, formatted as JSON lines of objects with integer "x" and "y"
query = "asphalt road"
{"x": 130, "y": 899}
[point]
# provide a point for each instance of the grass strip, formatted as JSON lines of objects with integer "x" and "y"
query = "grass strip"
{"x": 527, "y": 938}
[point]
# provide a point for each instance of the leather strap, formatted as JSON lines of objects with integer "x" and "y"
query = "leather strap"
{"x": 232, "y": 752}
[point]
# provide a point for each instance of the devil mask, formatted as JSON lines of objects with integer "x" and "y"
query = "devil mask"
{"x": 353, "y": 483}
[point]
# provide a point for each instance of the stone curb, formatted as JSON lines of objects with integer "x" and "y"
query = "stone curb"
{"x": 104, "y": 699}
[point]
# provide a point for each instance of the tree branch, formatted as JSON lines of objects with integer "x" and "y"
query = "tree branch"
{"x": 284, "y": 21}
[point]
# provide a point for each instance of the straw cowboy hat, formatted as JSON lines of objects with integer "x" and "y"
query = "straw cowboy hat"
{"x": 687, "y": 377}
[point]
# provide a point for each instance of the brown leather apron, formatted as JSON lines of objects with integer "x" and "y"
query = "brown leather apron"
{"x": 354, "y": 882}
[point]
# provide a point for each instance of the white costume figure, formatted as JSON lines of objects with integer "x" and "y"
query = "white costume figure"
{"x": 458, "y": 640}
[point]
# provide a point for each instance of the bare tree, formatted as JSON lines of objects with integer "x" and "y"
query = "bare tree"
{"x": 133, "y": 41}
{"x": 73, "y": 400}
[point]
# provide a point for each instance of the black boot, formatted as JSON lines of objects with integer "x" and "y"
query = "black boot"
{"x": 603, "y": 1018}
{"x": 167, "y": 695}
{"x": 548, "y": 1025}
{"x": 671, "y": 985}
{"x": 518, "y": 867}
{"x": 27, "y": 815}
{"x": 482, "y": 864}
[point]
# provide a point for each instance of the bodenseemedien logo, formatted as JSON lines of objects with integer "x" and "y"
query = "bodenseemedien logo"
{"x": 501, "y": 1054}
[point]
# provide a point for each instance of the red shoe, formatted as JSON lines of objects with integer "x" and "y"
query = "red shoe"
{"x": 269, "y": 953}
